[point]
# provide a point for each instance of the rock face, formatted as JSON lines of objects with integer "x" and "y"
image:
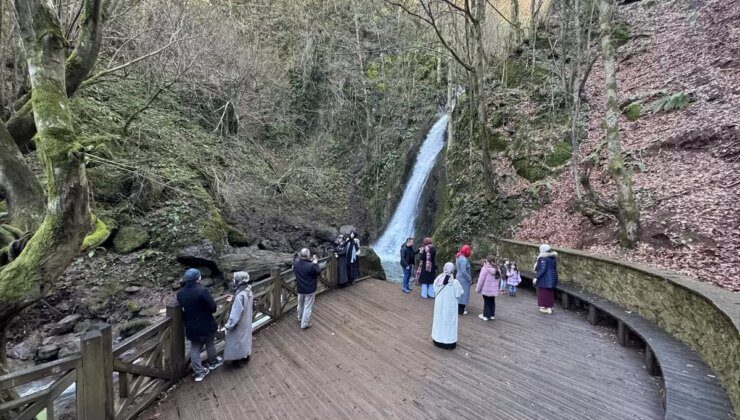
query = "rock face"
{"x": 25, "y": 350}
{"x": 130, "y": 238}
{"x": 132, "y": 327}
{"x": 66, "y": 325}
{"x": 257, "y": 262}
{"x": 370, "y": 264}
{"x": 347, "y": 229}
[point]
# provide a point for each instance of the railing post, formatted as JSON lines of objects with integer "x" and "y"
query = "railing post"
{"x": 276, "y": 304}
{"x": 95, "y": 377}
{"x": 177, "y": 341}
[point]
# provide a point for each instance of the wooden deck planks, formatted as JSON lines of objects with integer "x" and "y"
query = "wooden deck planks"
{"x": 369, "y": 355}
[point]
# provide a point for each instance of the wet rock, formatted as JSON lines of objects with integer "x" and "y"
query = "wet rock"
{"x": 130, "y": 239}
{"x": 370, "y": 264}
{"x": 70, "y": 348}
{"x": 47, "y": 353}
{"x": 65, "y": 325}
{"x": 63, "y": 306}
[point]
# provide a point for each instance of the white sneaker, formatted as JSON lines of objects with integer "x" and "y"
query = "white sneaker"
{"x": 200, "y": 376}
{"x": 482, "y": 317}
{"x": 465, "y": 312}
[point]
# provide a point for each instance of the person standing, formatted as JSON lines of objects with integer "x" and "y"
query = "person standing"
{"x": 340, "y": 251}
{"x": 307, "y": 271}
{"x": 353, "y": 258}
{"x": 444, "y": 325}
{"x": 547, "y": 278}
{"x": 198, "y": 307}
{"x": 513, "y": 278}
{"x": 488, "y": 286}
{"x": 408, "y": 256}
{"x": 427, "y": 268}
{"x": 238, "y": 344}
{"x": 464, "y": 276}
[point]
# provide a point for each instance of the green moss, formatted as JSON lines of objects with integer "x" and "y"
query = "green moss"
{"x": 133, "y": 306}
{"x": 236, "y": 237}
{"x": 216, "y": 230}
{"x": 100, "y": 233}
{"x": 678, "y": 100}
{"x": 130, "y": 238}
{"x": 531, "y": 171}
{"x": 496, "y": 142}
{"x": 620, "y": 34}
{"x": 632, "y": 111}
{"x": 560, "y": 155}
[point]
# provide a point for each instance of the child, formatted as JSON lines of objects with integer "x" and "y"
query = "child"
{"x": 488, "y": 286}
{"x": 502, "y": 279}
{"x": 513, "y": 278}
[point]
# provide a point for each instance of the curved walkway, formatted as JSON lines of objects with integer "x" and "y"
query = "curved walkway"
{"x": 369, "y": 355}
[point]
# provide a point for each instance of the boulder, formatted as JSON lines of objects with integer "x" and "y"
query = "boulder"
{"x": 132, "y": 327}
{"x": 370, "y": 264}
{"x": 130, "y": 238}
{"x": 257, "y": 262}
{"x": 200, "y": 255}
{"x": 47, "y": 353}
{"x": 69, "y": 349}
{"x": 65, "y": 325}
{"x": 324, "y": 233}
{"x": 25, "y": 350}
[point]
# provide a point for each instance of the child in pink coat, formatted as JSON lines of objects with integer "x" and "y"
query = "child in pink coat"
{"x": 488, "y": 286}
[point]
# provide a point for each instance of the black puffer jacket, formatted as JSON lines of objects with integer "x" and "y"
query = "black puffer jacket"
{"x": 198, "y": 307}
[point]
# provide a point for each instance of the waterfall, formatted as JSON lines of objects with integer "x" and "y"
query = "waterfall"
{"x": 403, "y": 221}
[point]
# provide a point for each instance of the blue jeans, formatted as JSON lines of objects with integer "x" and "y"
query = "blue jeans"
{"x": 427, "y": 290}
{"x": 406, "y": 278}
{"x": 512, "y": 290}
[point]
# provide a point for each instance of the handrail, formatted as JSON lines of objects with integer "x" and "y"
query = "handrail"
{"x": 147, "y": 363}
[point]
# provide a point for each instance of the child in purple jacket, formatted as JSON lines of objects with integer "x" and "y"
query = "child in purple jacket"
{"x": 513, "y": 278}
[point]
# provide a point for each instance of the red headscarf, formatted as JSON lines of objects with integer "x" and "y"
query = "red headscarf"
{"x": 464, "y": 250}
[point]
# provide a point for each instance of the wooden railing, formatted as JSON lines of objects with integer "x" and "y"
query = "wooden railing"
{"x": 122, "y": 381}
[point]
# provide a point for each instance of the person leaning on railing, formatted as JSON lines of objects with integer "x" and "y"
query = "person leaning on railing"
{"x": 198, "y": 307}
{"x": 307, "y": 272}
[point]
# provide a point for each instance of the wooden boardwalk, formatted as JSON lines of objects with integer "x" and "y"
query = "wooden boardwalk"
{"x": 370, "y": 355}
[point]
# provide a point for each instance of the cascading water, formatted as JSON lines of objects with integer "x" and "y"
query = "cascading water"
{"x": 403, "y": 221}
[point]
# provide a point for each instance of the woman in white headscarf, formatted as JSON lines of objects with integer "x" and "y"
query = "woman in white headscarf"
{"x": 447, "y": 292}
{"x": 238, "y": 345}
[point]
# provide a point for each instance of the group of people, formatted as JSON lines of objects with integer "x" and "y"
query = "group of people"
{"x": 347, "y": 252}
{"x": 198, "y": 307}
{"x": 451, "y": 289}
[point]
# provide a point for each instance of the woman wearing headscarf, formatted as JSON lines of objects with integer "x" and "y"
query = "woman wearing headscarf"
{"x": 444, "y": 325}
{"x": 340, "y": 251}
{"x": 464, "y": 276}
{"x": 238, "y": 345}
{"x": 427, "y": 268}
{"x": 547, "y": 278}
{"x": 352, "y": 250}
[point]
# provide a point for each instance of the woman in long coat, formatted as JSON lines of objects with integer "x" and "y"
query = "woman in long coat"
{"x": 427, "y": 268}
{"x": 352, "y": 250}
{"x": 547, "y": 278}
{"x": 444, "y": 325}
{"x": 341, "y": 252}
{"x": 464, "y": 276}
{"x": 238, "y": 345}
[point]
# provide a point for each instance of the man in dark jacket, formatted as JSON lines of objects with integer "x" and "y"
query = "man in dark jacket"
{"x": 307, "y": 273}
{"x": 407, "y": 262}
{"x": 198, "y": 307}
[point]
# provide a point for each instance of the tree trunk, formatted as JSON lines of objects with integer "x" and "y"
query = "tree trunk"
{"x": 57, "y": 241}
{"x": 82, "y": 59}
{"x": 628, "y": 211}
{"x": 22, "y": 191}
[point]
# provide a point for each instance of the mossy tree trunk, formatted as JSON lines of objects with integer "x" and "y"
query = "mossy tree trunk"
{"x": 78, "y": 65}
{"x": 19, "y": 186}
{"x": 628, "y": 212}
{"x": 57, "y": 241}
